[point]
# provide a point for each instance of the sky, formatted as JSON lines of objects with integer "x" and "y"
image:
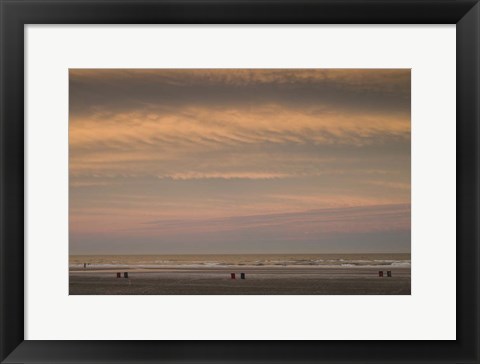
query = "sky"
{"x": 241, "y": 161}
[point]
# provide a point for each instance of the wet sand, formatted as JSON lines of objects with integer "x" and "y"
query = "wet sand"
{"x": 259, "y": 281}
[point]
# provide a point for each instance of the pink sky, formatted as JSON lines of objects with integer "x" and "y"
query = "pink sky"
{"x": 239, "y": 161}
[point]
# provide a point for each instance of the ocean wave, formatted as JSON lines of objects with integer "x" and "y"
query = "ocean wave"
{"x": 325, "y": 262}
{"x": 244, "y": 265}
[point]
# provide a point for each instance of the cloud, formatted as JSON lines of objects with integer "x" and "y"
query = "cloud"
{"x": 104, "y": 91}
{"x": 224, "y": 142}
{"x": 335, "y": 220}
{"x": 392, "y": 185}
{"x": 219, "y": 175}
{"x": 217, "y": 126}
{"x": 361, "y": 79}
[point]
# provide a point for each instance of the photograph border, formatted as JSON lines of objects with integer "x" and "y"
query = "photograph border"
{"x": 15, "y": 14}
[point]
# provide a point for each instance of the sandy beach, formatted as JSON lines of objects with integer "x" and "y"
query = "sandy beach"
{"x": 259, "y": 281}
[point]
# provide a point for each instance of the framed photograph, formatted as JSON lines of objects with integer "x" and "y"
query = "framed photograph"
{"x": 239, "y": 181}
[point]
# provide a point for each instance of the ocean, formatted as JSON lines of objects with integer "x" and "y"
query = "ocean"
{"x": 242, "y": 260}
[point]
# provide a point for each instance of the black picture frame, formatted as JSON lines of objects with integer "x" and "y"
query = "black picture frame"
{"x": 15, "y": 14}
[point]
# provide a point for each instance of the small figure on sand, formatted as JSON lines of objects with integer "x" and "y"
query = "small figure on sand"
{"x": 84, "y": 265}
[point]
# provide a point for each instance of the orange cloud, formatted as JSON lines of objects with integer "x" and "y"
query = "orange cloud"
{"x": 123, "y": 143}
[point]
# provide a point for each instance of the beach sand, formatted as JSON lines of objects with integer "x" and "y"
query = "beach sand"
{"x": 259, "y": 281}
